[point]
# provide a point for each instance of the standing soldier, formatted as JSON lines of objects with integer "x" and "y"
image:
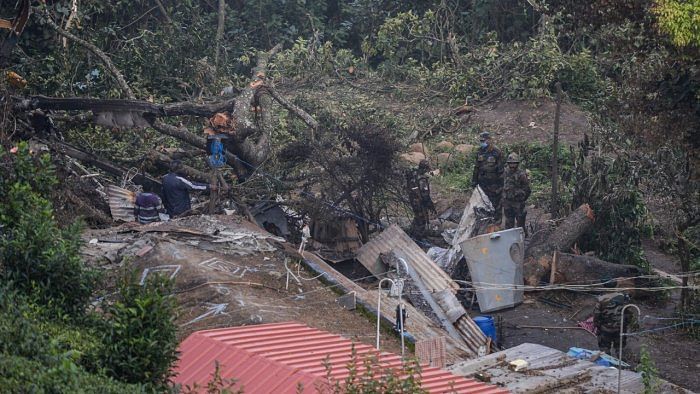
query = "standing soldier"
{"x": 418, "y": 188}
{"x": 488, "y": 172}
{"x": 516, "y": 190}
{"x": 606, "y": 319}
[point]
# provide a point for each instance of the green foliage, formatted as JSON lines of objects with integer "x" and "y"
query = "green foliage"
{"x": 649, "y": 372}
{"x": 39, "y": 257}
{"x": 46, "y": 356}
{"x": 457, "y": 173}
{"x": 217, "y": 384}
{"x": 139, "y": 340}
{"x": 680, "y": 19}
{"x": 368, "y": 375}
{"x": 537, "y": 160}
{"x": 609, "y": 183}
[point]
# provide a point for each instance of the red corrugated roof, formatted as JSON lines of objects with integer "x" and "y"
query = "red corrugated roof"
{"x": 277, "y": 358}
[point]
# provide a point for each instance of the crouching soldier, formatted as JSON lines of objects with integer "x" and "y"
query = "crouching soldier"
{"x": 606, "y": 319}
{"x": 516, "y": 190}
{"x": 418, "y": 189}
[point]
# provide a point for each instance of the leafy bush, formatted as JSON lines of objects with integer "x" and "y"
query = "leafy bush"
{"x": 139, "y": 340}
{"x": 609, "y": 182}
{"x": 40, "y": 258}
{"x": 367, "y": 375}
{"x": 39, "y": 355}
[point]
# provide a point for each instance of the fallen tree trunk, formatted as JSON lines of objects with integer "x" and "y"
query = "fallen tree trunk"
{"x": 538, "y": 255}
{"x": 565, "y": 235}
{"x": 97, "y": 105}
{"x": 105, "y": 165}
{"x": 576, "y": 269}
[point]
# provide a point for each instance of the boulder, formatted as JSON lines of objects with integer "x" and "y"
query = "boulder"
{"x": 445, "y": 146}
{"x": 413, "y": 157}
{"x": 417, "y": 147}
{"x": 465, "y": 148}
{"x": 443, "y": 158}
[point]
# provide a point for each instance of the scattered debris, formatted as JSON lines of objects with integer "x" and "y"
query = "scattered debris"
{"x": 551, "y": 370}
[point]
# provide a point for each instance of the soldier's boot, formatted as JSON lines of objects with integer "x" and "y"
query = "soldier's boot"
{"x": 498, "y": 208}
{"x": 521, "y": 219}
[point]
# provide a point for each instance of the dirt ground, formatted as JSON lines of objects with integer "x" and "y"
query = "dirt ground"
{"x": 243, "y": 284}
{"x": 525, "y": 121}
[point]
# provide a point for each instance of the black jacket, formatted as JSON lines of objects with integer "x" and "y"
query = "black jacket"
{"x": 176, "y": 193}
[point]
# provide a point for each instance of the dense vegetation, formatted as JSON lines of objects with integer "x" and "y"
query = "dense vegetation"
{"x": 361, "y": 67}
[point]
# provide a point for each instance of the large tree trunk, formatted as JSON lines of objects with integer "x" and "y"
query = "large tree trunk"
{"x": 575, "y": 269}
{"x": 104, "y": 165}
{"x": 538, "y": 254}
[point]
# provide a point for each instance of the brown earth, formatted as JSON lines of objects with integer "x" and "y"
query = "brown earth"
{"x": 524, "y": 121}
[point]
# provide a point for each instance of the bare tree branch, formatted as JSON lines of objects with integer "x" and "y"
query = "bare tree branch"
{"x": 291, "y": 107}
{"x": 95, "y": 50}
{"x": 119, "y": 105}
{"x": 220, "y": 32}
{"x": 164, "y": 11}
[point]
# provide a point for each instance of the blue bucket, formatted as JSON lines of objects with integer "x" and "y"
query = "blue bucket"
{"x": 487, "y": 326}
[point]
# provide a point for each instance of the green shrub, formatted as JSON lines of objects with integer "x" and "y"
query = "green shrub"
{"x": 139, "y": 341}
{"x": 45, "y": 356}
{"x": 367, "y": 375}
{"x": 22, "y": 375}
{"x": 38, "y": 256}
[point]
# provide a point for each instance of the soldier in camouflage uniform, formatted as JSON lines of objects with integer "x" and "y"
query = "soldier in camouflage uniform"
{"x": 488, "y": 172}
{"x": 418, "y": 188}
{"x": 606, "y": 319}
{"x": 516, "y": 190}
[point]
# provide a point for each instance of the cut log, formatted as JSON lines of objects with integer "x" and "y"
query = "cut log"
{"x": 575, "y": 269}
{"x": 538, "y": 256}
{"x": 565, "y": 235}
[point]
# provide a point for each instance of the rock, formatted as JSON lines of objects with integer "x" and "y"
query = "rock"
{"x": 413, "y": 157}
{"x": 445, "y": 146}
{"x": 465, "y": 148}
{"x": 417, "y": 147}
{"x": 443, "y": 158}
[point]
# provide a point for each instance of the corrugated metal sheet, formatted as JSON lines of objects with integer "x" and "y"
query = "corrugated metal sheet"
{"x": 121, "y": 203}
{"x": 435, "y": 279}
{"x": 394, "y": 238}
{"x": 278, "y": 358}
{"x": 418, "y": 324}
{"x": 555, "y": 372}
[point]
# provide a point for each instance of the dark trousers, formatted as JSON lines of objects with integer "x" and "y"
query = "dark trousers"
{"x": 514, "y": 212}
{"x": 495, "y": 194}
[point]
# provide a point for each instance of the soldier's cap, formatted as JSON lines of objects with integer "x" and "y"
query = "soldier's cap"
{"x": 513, "y": 158}
{"x": 484, "y": 136}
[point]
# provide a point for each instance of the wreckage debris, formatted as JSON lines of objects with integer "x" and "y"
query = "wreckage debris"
{"x": 437, "y": 287}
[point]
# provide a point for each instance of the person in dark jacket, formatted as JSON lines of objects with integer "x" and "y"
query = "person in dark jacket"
{"x": 176, "y": 190}
{"x": 148, "y": 208}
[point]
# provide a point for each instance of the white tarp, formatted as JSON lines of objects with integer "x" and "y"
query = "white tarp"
{"x": 476, "y": 216}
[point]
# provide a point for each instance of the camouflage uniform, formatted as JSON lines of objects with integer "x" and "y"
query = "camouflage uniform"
{"x": 606, "y": 319}
{"x": 516, "y": 190}
{"x": 418, "y": 188}
{"x": 488, "y": 173}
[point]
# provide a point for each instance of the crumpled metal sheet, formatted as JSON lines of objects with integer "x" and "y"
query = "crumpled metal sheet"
{"x": 121, "y": 203}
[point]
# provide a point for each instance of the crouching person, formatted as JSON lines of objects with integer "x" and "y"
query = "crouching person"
{"x": 148, "y": 208}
